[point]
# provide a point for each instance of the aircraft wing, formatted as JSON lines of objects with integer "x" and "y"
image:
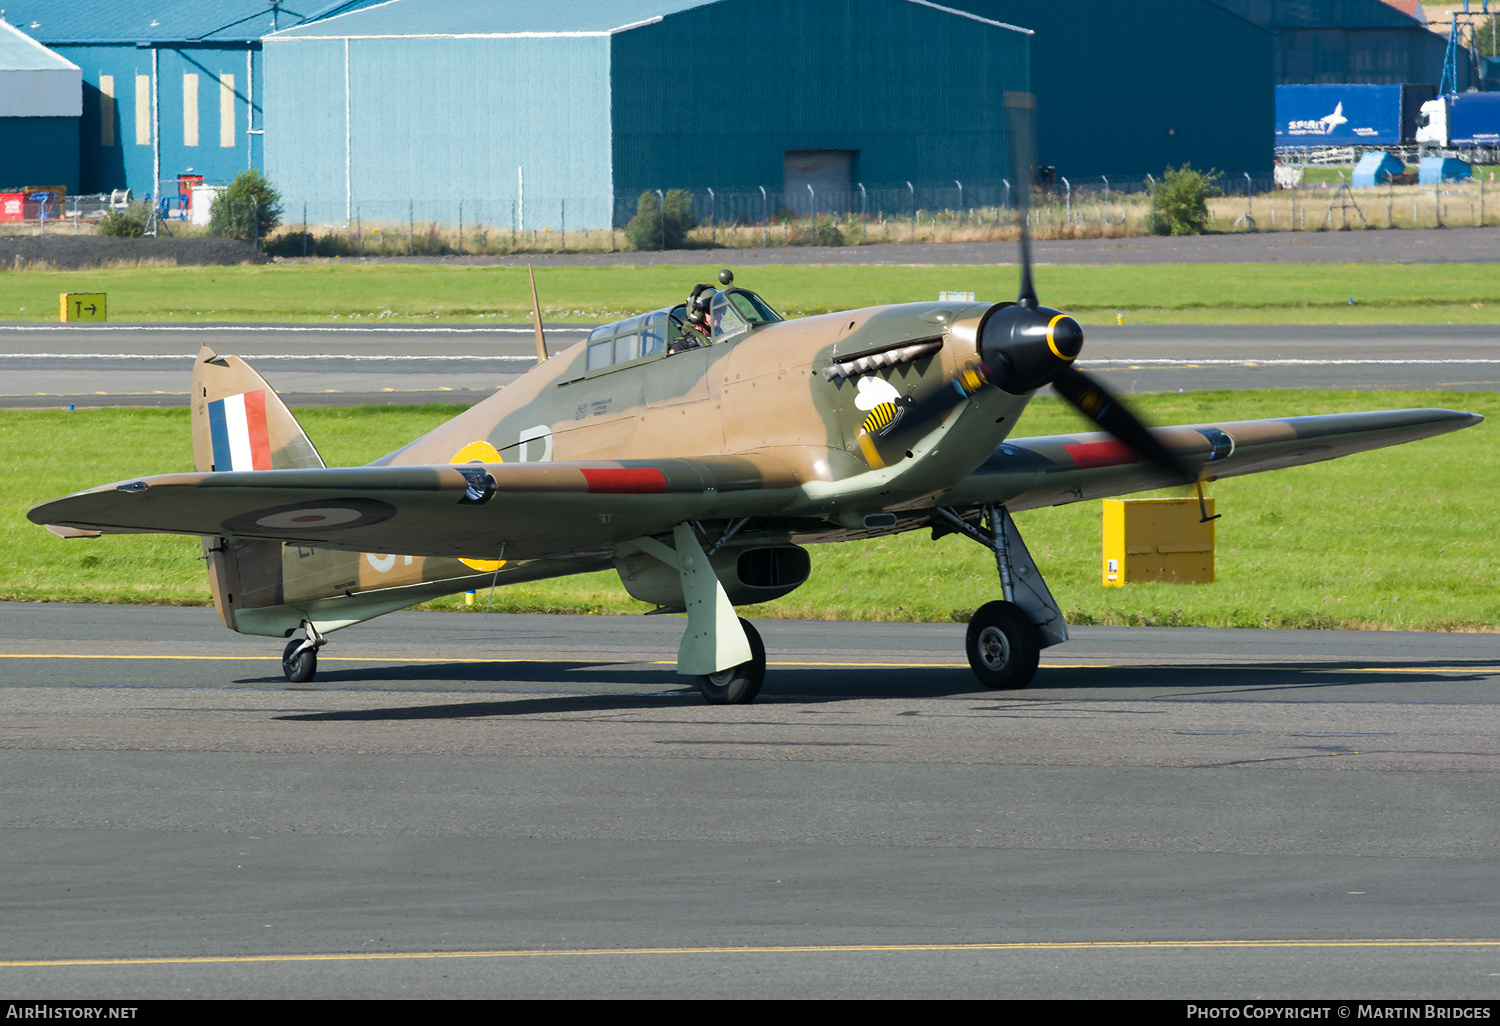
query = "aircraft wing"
{"x": 499, "y": 510}
{"x": 1027, "y": 473}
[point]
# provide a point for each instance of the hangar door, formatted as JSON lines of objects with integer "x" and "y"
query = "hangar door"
{"x": 828, "y": 172}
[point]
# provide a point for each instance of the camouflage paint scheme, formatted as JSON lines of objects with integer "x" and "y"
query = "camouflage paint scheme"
{"x": 791, "y": 432}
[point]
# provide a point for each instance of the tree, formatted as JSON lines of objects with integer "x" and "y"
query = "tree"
{"x": 1179, "y": 202}
{"x": 248, "y": 209}
{"x": 645, "y": 230}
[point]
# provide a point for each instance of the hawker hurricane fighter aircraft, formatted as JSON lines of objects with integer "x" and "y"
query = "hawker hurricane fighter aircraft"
{"x": 694, "y": 449}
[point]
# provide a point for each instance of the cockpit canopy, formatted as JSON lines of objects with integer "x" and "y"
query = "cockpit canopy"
{"x": 732, "y": 312}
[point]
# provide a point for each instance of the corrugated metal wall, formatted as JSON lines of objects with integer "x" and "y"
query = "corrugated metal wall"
{"x": 433, "y": 121}
{"x": 1126, "y": 89}
{"x": 38, "y": 151}
{"x": 714, "y": 97}
{"x": 1361, "y": 41}
{"x": 117, "y": 89}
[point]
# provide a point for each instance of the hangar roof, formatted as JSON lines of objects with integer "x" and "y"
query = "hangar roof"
{"x": 19, "y": 52}
{"x": 129, "y": 21}
{"x": 416, "y": 19}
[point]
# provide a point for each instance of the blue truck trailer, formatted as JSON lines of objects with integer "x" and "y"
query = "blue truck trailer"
{"x": 1348, "y": 114}
{"x": 1461, "y": 119}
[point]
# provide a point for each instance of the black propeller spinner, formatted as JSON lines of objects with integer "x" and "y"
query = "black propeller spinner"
{"x": 1026, "y": 345}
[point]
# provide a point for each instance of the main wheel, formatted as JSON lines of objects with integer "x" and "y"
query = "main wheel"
{"x": 299, "y": 667}
{"x": 1003, "y": 646}
{"x": 740, "y": 684}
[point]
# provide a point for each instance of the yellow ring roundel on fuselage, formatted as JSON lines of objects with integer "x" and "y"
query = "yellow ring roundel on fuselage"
{"x": 479, "y": 452}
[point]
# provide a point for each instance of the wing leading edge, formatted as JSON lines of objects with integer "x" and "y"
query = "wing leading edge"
{"x": 501, "y": 510}
{"x": 1027, "y": 473}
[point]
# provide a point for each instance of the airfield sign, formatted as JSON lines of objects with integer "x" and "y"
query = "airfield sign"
{"x": 82, "y": 306}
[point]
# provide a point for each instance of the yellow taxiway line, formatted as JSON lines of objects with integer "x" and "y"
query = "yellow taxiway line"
{"x": 780, "y": 949}
{"x": 669, "y": 662}
{"x": 535, "y": 659}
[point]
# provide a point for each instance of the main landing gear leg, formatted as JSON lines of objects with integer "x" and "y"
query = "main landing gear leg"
{"x": 1005, "y": 638}
{"x": 722, "y": 651}
{"x": 299, "y": 660}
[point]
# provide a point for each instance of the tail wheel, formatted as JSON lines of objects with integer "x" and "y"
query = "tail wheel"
{"x": 299, "y": 666}
{"x": 1003, "y": 646}
{"x": 740, "y": 684}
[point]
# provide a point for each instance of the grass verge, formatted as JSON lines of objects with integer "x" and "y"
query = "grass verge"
{"x": 365, "y": 293}
{"x": 1401, "y": 538}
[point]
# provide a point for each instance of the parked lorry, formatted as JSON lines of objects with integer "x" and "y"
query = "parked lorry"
{"x": 1309, "y": 116}
{"x": 1460, "y": 119}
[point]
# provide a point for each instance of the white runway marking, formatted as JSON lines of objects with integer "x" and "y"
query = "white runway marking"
{"x": 268, "y": 356}
{"x": 278, "y": 328}
{"x": 1275, "y": 362}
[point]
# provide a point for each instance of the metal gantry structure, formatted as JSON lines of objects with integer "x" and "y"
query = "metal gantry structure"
{"x": 1466, "y": 21}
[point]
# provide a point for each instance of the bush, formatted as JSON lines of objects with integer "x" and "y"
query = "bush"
{"x": 826, "y": 232}
{"x": 130, "y": 223}
{"x": 645, "y": 229}
{"x": 248, "y": 209}
{"x": 1179, "y": 202}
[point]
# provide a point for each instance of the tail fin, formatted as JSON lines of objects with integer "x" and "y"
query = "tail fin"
{"x": 240, "y": 423}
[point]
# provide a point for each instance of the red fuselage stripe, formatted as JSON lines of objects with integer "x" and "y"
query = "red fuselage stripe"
{"x": 641, "y": 481}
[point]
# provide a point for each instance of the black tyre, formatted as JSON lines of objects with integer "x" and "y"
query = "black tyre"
{"x": 1003, "y": 646}
{"x": 299, "y": 667}
{"x": 739, "y": 685}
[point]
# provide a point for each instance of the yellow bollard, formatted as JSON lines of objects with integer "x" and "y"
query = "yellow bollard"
{"x": 82, "y": 306}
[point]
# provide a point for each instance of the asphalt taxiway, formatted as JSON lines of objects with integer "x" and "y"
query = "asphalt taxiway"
{"x": 150, "y": 365}
{"x": 481, "y": 805}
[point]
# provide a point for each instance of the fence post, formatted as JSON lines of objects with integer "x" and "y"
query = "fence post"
{"x": 864, "y": 214}
{"x": 411, "y": 227}
{"x": 765, "y": 217}
{"x": 304, "y": 229}
{"x": 255, "y": 215}
{"x": 1069, "y": 208}
{"x": 713, "y": 228}
{"x": 359, "y": 234}
{"x": 1106, "y": 199}
{"x": 913, "y": 212}
{"x": 661, "y": 213}
{"x": 960, "y": 202}
{"x": 460, "y": 227}
{"x": 812, "y": 216}
{"x": 563, "y": 216}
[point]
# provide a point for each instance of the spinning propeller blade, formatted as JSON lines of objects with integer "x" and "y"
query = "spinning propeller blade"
{"x": 1099, "y": 405}
{"x": 1024, "y": 346}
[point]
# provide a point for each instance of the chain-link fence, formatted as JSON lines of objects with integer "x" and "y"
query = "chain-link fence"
{"x": 1308, "y": 198}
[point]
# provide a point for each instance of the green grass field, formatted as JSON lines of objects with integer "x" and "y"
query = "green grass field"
{"x": 342, "y": 292}
{"x": 1402, "y": 538}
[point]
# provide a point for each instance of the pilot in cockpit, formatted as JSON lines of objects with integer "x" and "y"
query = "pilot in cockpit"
{"x": 711, "y": 314}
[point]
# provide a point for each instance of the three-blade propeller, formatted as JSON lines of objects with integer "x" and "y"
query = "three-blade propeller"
{"x": 1024, "y": 346}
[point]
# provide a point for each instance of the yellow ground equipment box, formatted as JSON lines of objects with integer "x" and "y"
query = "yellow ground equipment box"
{"x": 82, "y": 306}
{"x": 1157, "y": 540}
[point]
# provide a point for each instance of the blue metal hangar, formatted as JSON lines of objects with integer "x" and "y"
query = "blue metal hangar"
{"x": 168, "y": 86}
{"x": 1336, "y": 41}
{"x": 521, "y": 107}
{"x": 41, "y": 99}
{"x": 1124, "y": 89}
